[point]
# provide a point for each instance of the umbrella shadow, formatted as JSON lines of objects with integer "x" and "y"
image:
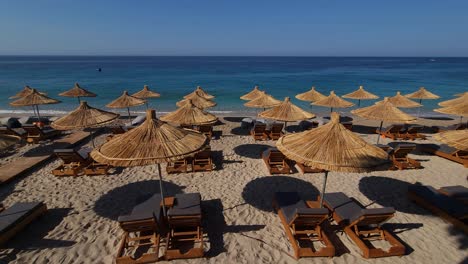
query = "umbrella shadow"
{"x": 259, "y": 192}
{"x": 461, "y": 237}
{"x": 215, "y": 226}
{"x": 219, "y": 161}
{"x": 36, "y": 233}
{"x": 233, "y": 119}
{"x": 121, "y": 200}
{"x": 293, "y": 129}
{"x": 389, "y": 192}
{"x": 239, "y": 131}
{"x": 253, "y": 151}
{"x": 368, "y": 130}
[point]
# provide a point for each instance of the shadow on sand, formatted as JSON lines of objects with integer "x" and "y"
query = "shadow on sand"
{"x": 253, "y": 151}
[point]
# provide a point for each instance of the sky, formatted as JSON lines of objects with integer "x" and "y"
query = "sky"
{"x": 234, "y": 28}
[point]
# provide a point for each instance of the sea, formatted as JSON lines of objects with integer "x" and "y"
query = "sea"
{"x": 227, "y": 78}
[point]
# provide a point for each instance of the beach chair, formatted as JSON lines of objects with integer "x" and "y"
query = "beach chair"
{"x": 302, "y": 222}
{"x": 36, "y": 134}
{"x": 206, "y": 130}
{"x": 276, "y": 162}
{"x": 17, "y": 132}
{"x": 449, "y": 208}
{"x": 17, "y": 217}
{"x": 447, "y": 152}
{"x": 364, "y": 226}
{"x": 276, "y": 131}
{"x": 400, "y": 159}
{"x": 258, "y": 131}
{"x": 458, "y": 126}
{"x": 179, "y": 166}
{"x": 412, "y": 133}
{"x": 185, "y": 237}
{"x": 141, "y": 233}
{"x": 202, "y": 161}
{"x": 393, "y": 132}
{"x": 307, "y": 169}
{"x": 96, "y": 168}
{"x": 73, "y": 162}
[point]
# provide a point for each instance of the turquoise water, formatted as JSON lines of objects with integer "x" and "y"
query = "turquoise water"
{"x": 228, "y": 77}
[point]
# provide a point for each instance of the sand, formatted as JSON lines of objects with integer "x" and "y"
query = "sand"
{"x": 240, "y": 226}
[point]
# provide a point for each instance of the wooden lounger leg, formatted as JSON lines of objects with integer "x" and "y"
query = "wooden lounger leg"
{"x": 175, "y": 253}
{"x": 145, "y": 258}
{"x": 396, "y": 249}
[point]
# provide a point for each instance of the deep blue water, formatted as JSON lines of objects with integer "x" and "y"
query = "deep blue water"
{"x": 228, "y": 77}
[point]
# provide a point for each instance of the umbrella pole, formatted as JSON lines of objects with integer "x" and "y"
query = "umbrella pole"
{"x": 34, "y": 110}
{"x": 128, "y": 111}
{"x": 331, "y": 109}
{"x": 359, "y": 102}
{"x": 419, "y": 108}
{"x": 38, "y": 115}
{"x": 92, "y": 138}
{"x": 79, "y": 101}
{"x": 323, "y": 188}
{"x": 161, "y": 190}
{"x": 378, "y": 134}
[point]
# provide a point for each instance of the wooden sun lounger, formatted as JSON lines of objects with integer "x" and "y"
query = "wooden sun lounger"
{"x": 17, "y": 132}
{"x": 400, "y": 159}
{"x": 185, "y": 224}
{"x": 141, "y": 231}
{"x": 457, "y": 192}
{"x": 258, "y": 132}
{"x": 364, "y": 225}
{"x": 36, "y": 134}
{"x": 202, "y": 161}
{"x": 276, "y": 131}
{"x": 412, "y": 133}
{"x": 73, "y": 162}
{"x": 302, "y": 224}
{"x": 276, "y": 162}
{"x": 393, "y": 132}
{"x": 17, "y": 217}
{"x": 179, "y": 166}
{"x": 307, "y": 169}
{"x": 450, "y": 209}
{"x": 459, "y": 126}
{"x": 447, "y": 152}
{"x": 207, "y": 130}
{"x": 96, "y": 168}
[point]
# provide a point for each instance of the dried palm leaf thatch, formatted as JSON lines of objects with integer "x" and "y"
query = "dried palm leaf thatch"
{"x": 263, "y": 100}
{"x": 83, "y": 117}
{"x": 34, "y": 98}
{"x": 460, "y": 100}
{"x": 146, "y": 93}
{"x": 311, "y": 96}
{"x": 401, "y": 101}
{"x": 199, "y": 92}
{"x": 384, "y": 111}
{"x": 77, "y": 91}
{"x": 460, "y": 109}
{"x": 125, "y": 101}
{"x": 152, "y": 142}
{"x": 361, "y": 94}
{"x": 26, "y": 90}
{"x": 252, "y": 94}
{"x": 461, "y": 94}
{"x": 287, "y": 112}
{"x": 189, "y": 114}
{"x": 422, "y": 93}
{"x": 197, "y": 100}
{"x": 454, "y": 138}
{"x": 333, "y": 101}
{"x": 332, "y": 147}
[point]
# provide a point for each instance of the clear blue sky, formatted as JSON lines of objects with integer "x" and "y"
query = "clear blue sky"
{"x": 198, "y": 27}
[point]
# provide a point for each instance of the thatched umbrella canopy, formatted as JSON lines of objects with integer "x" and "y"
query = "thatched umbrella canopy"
{"x": 7, "y": 141}
{"x": 252, "y": 94}
{"x": 263, "y": 100}
{"x": 77, "y": 91}
{"x": 199, "y": 92}
{"x": 287, "y": 112}
{"x": 126, "y": 101}
{"x": 34, "y": 99}
{"x": 455, "y": 101}
{"x": 146, "y": 93}
{"x": 461, "y": 94}
{"x": 454, "y": 138}
{"x": 197, "y": 100}
{"x": 311, "y": 96}
{"x": 26, "y": 90}
{"x": 421, "y": 94}
{"x": 460, "y": 110}
{"x": 333, "y": 101}
{"x": 153, "y": 142}
{"x": 332, "y": 147}
{"x": 360, "y": 94}
{"x": 384, "y": 111}
{"x": 189, "y": 114}
{"x": 401, "y": 101}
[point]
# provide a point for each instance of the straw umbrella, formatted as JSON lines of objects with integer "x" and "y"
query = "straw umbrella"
{"x": 383, "y": 111}
{"x": 77, "y": 91}
{"x": 287, "y": 112}
{"x": 34, "y": 99}
{"x": 454, "y": 138}
{"x": 311, "y": 96}
{"x": 460, "y": 110}
{"x": 252, "y": 94}
{"x": 189, "y": 114}
{"x": 84, "y": 116}
{"x": 333, "y": 101}
{"x": 197, "y": 100}
{"x": 26, "y": 90}
{"x": 263, "y": 100}
{"x": 403, "y": 102}
{"x": 360, "y": 94}
{"x": 332, "y": 147}
{"x": 421, "y": 94}
{"x": 7, "y": 141}
{"x": 461, "y": 94}
{"x": 126, "y": 101}
{"x": 146, "y": 93}
{"x": 199, "y": 92}
{"x": 153, "y": 142}
{"x": 459, "y": 100}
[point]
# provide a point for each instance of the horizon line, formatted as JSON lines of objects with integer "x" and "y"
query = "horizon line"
{"x": 296, "y": 56}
